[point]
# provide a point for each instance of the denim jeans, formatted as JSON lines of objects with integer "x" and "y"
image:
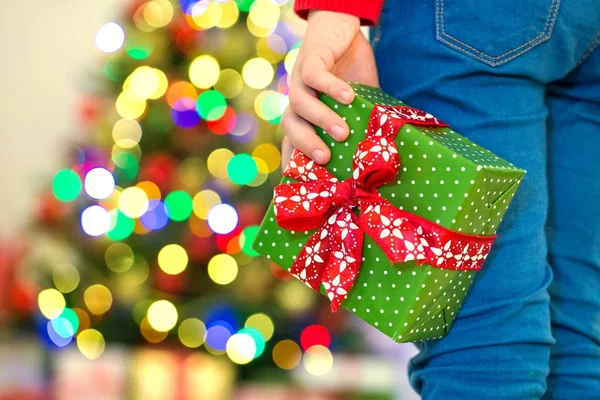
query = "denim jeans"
{"x": 521, "y": 78}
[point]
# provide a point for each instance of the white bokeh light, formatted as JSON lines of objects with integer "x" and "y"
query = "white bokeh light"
{"x": 95, "y": 220}
{"x": 110, "y": 37}
{"x": 222, "y": 219}
{"x": 99, "y": 183}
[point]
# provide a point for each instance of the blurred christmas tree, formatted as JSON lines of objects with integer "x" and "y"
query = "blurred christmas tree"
{"x": 146, "y": 236}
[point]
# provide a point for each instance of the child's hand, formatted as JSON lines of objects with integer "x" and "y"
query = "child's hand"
{"x": 333, "y": 51}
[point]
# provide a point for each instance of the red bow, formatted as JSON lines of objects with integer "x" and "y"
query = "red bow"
{"x": 333, "y": 254}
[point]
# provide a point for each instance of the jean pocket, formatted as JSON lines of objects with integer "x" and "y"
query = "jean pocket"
{"x": 495, "y": 31}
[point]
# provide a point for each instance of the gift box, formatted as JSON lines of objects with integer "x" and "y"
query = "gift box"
{"x": 396, "y": 225}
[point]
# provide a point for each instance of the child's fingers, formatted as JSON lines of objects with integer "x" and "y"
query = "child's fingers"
{"x": 315, "y": 74}
{"x": 316, "y": 112}
{"x": 286, "y": 152}
{"x": 303, "y": 137}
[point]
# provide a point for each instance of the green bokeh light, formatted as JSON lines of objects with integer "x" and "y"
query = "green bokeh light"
{"x": 121, "y": 225}
{"x": 211, "y": 105}
{"x": 244, "y": 5}
{"x": 66, "y": 185}
{"x": 66, "y": 324}
{"x": 248, "y": 235}
{"x": 259, "y": 340}
{"x": 127, "y": 164}
{"x": 242, "y": 169}
{"x": 179, "y": 205}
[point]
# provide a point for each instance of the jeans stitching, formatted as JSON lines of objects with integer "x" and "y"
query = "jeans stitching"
{"x": 446, "y": 38}
{"x": 591, "y": 48}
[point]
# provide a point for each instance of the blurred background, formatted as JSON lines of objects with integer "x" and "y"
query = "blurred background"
{"x": 139, "y": 148}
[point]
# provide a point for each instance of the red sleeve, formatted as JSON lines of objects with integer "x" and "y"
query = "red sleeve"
{"x": 367, "y": 10}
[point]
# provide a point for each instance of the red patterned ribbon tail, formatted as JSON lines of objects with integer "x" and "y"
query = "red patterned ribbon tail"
{"x": 303, "y": 169}
{"x": 303, "y": 206}
{"x": 388, "y": 120}
{"x": 404, "y": 236}
{"x": 346, "y": 256}
{"x": 312, "y": 260}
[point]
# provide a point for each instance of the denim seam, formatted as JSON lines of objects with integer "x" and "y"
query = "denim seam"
{"x": 591, "y": 48}
{"x": 446, "y": 38}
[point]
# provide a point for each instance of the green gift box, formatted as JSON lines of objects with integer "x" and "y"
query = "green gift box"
{"x": 444, "y": 178}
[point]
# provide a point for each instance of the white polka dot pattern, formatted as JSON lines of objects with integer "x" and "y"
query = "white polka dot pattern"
{"x": 448, "y": 180}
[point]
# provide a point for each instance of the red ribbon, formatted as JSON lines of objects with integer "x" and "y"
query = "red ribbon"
{"x": 333, "y": 254}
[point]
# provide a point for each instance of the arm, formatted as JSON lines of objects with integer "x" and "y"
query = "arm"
{"x": 367, "y": 10}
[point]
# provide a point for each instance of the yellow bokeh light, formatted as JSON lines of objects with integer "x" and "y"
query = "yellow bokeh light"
{"x": 230, "y": 83}
{"x": 91, "y": 343}
{"x": 150, "y": 334}
{"x": 263, "y": 172}
{"x": 192, "y": 333}
{"x": 258, "y": 73}
{"x": 217, "y": 162}
{"x": 172, "y": 259}
{"x": 241, "y": 348}
{"x": 269, "y": 154}
{"x": 158, "y": 13}
{"x": 262, "y": 323}
{"x": 147, "y": 83}
{"x": 162, "y": 315}
{"x": 287, "y": 354}
{"x": 127, "y": 133}
{"x": 290, "y": 60}
{"x": 98, "y": 299}
{"x": 206, "y": 14}
{"x": 222, "y": 269}
{"x": 264, "y": 13}
{"x": 51, "y": 303}
{"x": 133, "y": 202}
{"x": 230, "y": 14}
{"x": 119, "y": 257}
{"x": 318, "y": 360}
{"x": 204, "y": 71}
{"x": 259, "y": 31}
{"x": 129, "y": 105}
{"x": 65, "y": 277}
{"x": 204, "y": 201}
{"x": 272, "y": 48}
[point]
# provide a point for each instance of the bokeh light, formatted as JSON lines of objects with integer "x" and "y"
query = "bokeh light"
{"x": 222, "y": 269}
{"x": 247, "y": 239}
{"x": 65, "y": 277}
{"x": 241, "y": 348}
{"x": 133, "y": 202}
{"x": 287, "y": 354}
{"x": 314, "y": 335}
{"x": 259, "y": 340}
{"x": 211, "y": 105}
{"x": 95, "y": 220}
{"x": 217, "y": 336}
{"x": 179, "y": 205}
{"x": 99, "y": 183}
{"x": 129, "y": 105}
{"x": 230, "y": 83}
{"x": 66, "y": 185}
{"x": 121, "y": 226}
{"x": 217, "y": 162}
{"x": 151, "y": 334}
{"x": 98, "y": 299}
{"x": 258, "y": 73}
{"x": 222, "y": 218}
{"x": 51, "y": 303}
{"x": 157, "y": 215}
{"x": 67, "y": 324}
{"x": 110, "y": 37}
{"x": 204, "y": 201}
{"x": 318, "y": 360}
{"x": 162, "y": 315}
{"x": 269, "y": 154}
{"x": 192, "y": 333}
{"x": 91, "y": 343}
{"x": 172, "y": 259}
{"x": 262, "y": 323}
{"x": 242, "y": 169}
{"x": 119, "y": 257}
{"x": 204, "y": 71}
